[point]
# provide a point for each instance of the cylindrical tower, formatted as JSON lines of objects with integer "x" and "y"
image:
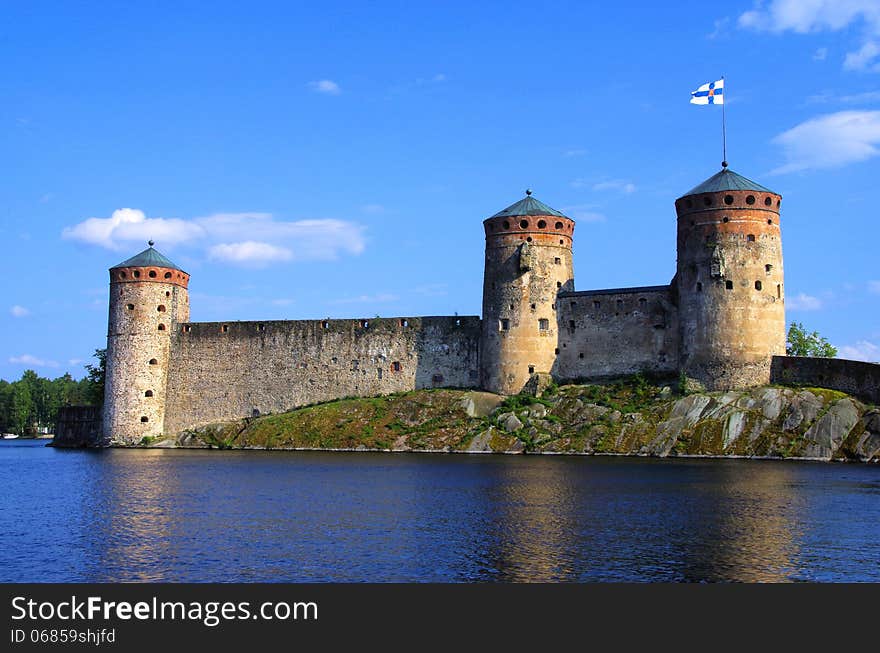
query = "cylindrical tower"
{"x": 730, "y": 282}
{"x": 148, "y": 297}
{"x": 528, "y": 262}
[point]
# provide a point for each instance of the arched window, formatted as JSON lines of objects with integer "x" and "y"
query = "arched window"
{"x": 758, "y": 285}
{"x": 542, "y": 224}
{"x": 153, "y": 361}
{"x": 145, "y": 419}
{"x": 559, "y": 225}
{"x": 160, "y": 308}
{"x": 148, "y": 393}
{"x": 161, "y": 327}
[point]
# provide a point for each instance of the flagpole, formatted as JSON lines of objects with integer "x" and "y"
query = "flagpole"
{"x": 723, "y": 125}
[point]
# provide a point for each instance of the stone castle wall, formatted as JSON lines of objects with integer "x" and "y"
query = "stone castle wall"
{"x": 730, "y": 287}
{"x": 859, "y": 379}
{"x": 609, "y": 333}
{"x": 228, "y": 370}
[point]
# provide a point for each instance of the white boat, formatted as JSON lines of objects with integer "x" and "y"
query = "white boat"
{"x": 10, "y": 436}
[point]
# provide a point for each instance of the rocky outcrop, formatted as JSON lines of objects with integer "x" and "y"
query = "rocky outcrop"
{"x": 630, "y": 417}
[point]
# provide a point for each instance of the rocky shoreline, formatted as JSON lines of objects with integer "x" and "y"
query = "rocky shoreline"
{"x": 630, "y": 417}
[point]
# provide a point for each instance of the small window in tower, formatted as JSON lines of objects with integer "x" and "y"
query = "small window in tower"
{"x": 778, "y": 291}
{"x": 153, "y": 361}
{"x": 542, "y": 224}
{"x": 728, "y": 199}
{"x": 145, "y": 419}
{"x": 758, "y": 285}
{"x": 152, "y": 274}
{"x": 161, "y": 327}
{"x": 395, "y": 366}
{"x": 778, "y": 203}
{"x": 581, "y": 355}
{"x": 619, "y": 304}
{"x": 750, "y": 238}
{"x": 574, "y": 304}
{"x": 506, "y": 224}
{"x": 167, "y": 293}
{"x": 559, "y": 225}
{"x": 767, "y": 201}
{"x": 122, "y": 275}
{"x": 534, "y": 306}
{"x": 726, "y": 219}
{"x": 130, "y": 307}
{"x": 556, "y": 351}
{"x": 160, "y": 308}
{"x": 707, "y": 201}
{"x": 187, "y": 328}
{"x": 529, "y": 239}
{"x": 561, "y": 242}
{"x": 224, "y": 328}
{"x": 167, "y": 275}
{"x": 261, "y": 327}
{"x": 504, "y": 325}
{"x": 325, "y": 324}
{"x": 750, "y": 200}
{"x": 699, "y": 287}
{"x": 404, "y": 323}
{"x": 437, "y": 379}
{"x": 544, "y": 324}
{"x": 559, "y": 284}
{"x": 380, "y": 371}
{"x": 137, "y": 274}
{"x": 596, "y": 304}
{"x": 768, "y": 268}
{"x": 769, "y": 221}
{"x": 523, "y": 224}
{"x": 148, "y": 393}
{"x": 531, "y": 369}
{"x": 557, "y": 261}
{"x": 365, "y": 324}
{"x": 571, "y": 324}
{"x": 728, "y": 284}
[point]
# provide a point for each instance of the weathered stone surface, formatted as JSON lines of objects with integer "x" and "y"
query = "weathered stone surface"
{"x": 802, "y": 410}
{"x": 733, "y": 427}
{"x": 537, "y": 411}
{"x": 771, "y": 400}
{"x": 511, "y": 423}
{"x": 825, "y": 436}
{"x": 872, "y": 421}
{"x": 868, "y": 448}
{"x": 481, "y": 443}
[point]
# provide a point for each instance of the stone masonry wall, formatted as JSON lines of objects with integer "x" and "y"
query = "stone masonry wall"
{"x": 222, "y": 371}
{"x": 609, "y": 333}
{"x": 859, "y": 379}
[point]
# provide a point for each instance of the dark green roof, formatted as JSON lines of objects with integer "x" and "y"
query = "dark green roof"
{"x": 148, "y": 258}
{"x": 528, "y": 206}
{"x": 727, "y": 180}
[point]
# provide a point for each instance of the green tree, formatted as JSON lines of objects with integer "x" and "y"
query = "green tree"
{"x": 22, "y": 408}
{"x": 802, "y": 343}
{"x": 96, "y": 376}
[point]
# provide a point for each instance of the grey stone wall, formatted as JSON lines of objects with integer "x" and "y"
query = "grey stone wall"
{"x": 228, "y": 370}
{"x": 78, "y": 427}
{"x": 608, "y": 333}
{"x": 859, "y": 379}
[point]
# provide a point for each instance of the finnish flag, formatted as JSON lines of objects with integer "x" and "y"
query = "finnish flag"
{"x": 711, "y": 93}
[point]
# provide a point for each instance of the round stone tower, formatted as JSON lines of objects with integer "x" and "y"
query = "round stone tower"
{"x": 730, "y": 282}
{"x": 528, "y": 262}
{"x": 148, "y": 297}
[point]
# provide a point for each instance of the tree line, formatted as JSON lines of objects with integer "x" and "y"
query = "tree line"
{"x": 33, "y": 401}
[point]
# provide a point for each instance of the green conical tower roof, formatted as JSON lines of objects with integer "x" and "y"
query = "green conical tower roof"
{"x": 528, "y": 206}
{"x": 150, "y": 257}
{"x": 727, "y": 180}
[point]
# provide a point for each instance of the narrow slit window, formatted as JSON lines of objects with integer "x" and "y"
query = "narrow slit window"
{"x": 758, "y": 285}
{"x": 728, "y": 284}
{"x": 504, "y": 325}
{"x": 544, "y": 324}
{"x": 395, "y": 366}
{"x": 751, "y": 238}
{"x": 531, "y": 369}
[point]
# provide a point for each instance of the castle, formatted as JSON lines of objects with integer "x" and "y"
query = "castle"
{"x": 719, "y": 322}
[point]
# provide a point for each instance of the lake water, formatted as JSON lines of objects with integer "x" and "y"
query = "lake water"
{"x": 128, "y": 515}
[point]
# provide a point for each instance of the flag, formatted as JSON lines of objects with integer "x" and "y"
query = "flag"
{"x": 711, "y": 93}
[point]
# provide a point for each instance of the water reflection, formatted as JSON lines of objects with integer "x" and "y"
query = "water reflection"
{"x": 247, "y": 516}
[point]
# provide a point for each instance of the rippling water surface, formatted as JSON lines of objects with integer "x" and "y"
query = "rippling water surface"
{"x": 177, "y": 516}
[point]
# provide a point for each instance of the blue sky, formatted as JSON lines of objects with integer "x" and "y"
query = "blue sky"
{"x": 337, "y": 160}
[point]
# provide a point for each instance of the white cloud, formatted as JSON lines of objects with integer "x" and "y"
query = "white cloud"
{"x": 373, "y": 209}
{"x": 75, "y": 361}
{"x": 19, "y": 311}
{"x": 325, "y": 86}
{"x": 131, "y": 225}
{"x": 860, "y": 351}
{"x": 854, "y": 98}
{"x": 33, "y": 361}
{"x": 720, "y": 28}
{"x": 367, "y": 299}
{"x": 874, "y": 287}
{"x": 238, "y": 238}
{"x": 830, "y": 141}
{"x": 617, "y": 185}
{"x": 810, "y": 16}
{"x": 821, "y": 54}
{"x": 249, "y": 252}
{"x": 803, "y": 302}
